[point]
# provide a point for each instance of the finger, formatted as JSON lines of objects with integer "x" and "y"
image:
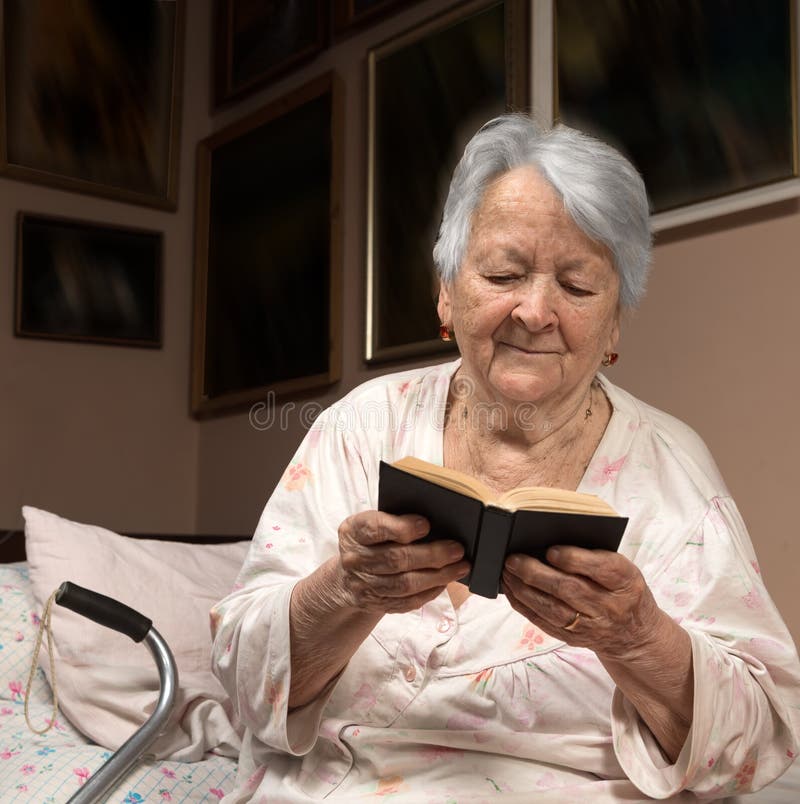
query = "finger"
{"x": 575, "y": 592}
{"x": 537, "y": 605}
{"x": 391, "y": 558}
{"x": 627, "y": 600}
{"x": 408, "y": 584}
{"x": 375, "y": 527}
{"x": 610, "y": 570}
{"x": 555, "y": 630}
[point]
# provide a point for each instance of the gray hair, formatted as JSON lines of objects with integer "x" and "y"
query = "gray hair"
{"x": 602, "y": 192}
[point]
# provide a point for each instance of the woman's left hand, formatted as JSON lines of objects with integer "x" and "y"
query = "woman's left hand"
{"x": 618, "y": 614}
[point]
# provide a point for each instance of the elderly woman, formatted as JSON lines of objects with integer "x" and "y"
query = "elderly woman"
{"x": 361, "y": 668}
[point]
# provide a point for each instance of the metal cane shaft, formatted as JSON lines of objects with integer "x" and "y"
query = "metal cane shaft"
{"x": 126, "y": 756}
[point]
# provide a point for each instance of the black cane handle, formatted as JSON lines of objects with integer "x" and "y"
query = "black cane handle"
{"x": 103, "y": 610}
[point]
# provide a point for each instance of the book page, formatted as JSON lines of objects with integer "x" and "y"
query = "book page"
{"x": 533, "y": 498}
{"x": 538, "y": 498}
{"x": 446, "y": 478}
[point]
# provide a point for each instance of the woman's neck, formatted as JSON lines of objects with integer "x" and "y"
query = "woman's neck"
{"x": 506, "y": 446}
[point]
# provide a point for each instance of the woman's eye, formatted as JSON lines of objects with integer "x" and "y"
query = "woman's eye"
{"x": 501, "y": 279}
{"x": 575, "y": 290}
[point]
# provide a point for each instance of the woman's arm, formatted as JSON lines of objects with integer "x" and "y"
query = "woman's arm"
{"x": 324, "y": 635}
{"x": 379, "y": 569}
{"x": 647, "y": 654}
{"x": 657, "y": 678}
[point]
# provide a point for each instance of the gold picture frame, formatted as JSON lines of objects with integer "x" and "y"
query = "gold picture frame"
{"x": 268, "y": 271}
{"x": 258, "y": 42}
{"x": 93, "y": 104}
{"x": 350, "y": 15}
{"x": 712, "y": 127}
{"x": 429, "y": 89}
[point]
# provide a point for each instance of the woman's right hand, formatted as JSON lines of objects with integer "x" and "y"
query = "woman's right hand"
{"x": 382, "y": 569}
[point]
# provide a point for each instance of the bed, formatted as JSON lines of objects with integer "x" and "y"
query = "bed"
{"x": 107, "y": 684}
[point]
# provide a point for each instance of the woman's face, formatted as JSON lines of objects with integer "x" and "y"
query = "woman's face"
{"x": 534, "y": 307}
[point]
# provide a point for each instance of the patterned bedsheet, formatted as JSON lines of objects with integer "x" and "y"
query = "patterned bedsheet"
{"x": 49, "y": 768}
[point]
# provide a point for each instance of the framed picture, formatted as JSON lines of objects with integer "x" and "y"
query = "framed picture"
{"x": 349, "y": 14}
{"x": 257, "y": 41}
{"x": 85, "y": 281}
{"x": 267, "y": 299}
{"x": 700, "y": 95}
{"x": 93, "y": 102}
{"x": 430, "y": 89}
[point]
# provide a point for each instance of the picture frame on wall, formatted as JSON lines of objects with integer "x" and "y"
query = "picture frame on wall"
{"x": 93, "y": 103}
{"x": 703, "y": 123}
{"x": 84, "y": 281}
{"x": 352, "y": 14}
{"x": 256, "y": 42}
{"x": 267, "y": 288}
{"x": 429, "y": 90}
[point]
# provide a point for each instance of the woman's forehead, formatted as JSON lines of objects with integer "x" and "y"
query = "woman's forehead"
{"x": 522, "y": 187}
{"x": 521, "y": 212}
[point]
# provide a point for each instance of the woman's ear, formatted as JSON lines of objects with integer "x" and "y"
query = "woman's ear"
{"x": 614, "y": 332}
{"x": 613, "y": 337}
{"x": 443, "y": 306}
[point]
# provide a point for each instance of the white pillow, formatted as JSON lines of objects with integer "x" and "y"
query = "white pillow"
{"x": 107, "y": 684}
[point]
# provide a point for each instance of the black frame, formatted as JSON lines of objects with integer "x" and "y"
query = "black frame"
{"x": 418, "y": 127}
{"x": 700, "y": 95}
{"x": 94, "y": 106}
{"x": 84, "y": 281}
{"x": 279, "y": 39}
{"x": 267, "y": 292}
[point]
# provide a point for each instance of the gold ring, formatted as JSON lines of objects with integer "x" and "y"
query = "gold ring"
{"x": 571, "y": 626}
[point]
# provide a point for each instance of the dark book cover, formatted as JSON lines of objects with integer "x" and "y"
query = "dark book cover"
{"x": 489, "y": 533}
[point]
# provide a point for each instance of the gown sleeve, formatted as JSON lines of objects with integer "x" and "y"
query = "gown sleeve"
{"x": 746, "y": 717}
{"x": 324, "y": 484}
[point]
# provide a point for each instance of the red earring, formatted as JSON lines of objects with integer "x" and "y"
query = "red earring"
{"x": 610, "y": 359}
{"x": 444, "y": 333}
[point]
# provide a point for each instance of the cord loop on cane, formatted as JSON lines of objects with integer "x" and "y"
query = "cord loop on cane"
{"x": 44, "y": 626}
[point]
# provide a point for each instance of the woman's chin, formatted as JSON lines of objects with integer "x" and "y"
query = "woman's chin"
{"x": 525, "y": 386}
{"x": 524, "y": 391}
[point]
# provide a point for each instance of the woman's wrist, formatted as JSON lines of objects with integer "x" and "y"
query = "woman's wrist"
{"x": 657, "y": 677}
{"x": 322, "y": 594}
{"x": 319, "y": 654}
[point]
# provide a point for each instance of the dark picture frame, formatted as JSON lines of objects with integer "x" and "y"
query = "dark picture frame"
{"x": 353, "y": 14}
{"x": 256, "y": 42}
{"x": 702, "y": 96}
{"x": 429, "y": 90}
{"x": 267, "y": 288}
{"x": 93, "y": 104}
{"x": 85, "y": 281}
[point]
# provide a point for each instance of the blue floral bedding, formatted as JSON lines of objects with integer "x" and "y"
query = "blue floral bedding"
{"x": 52, "y": 766}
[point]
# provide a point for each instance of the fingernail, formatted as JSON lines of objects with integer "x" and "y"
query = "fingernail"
{"x": 553, "y": 554}
{"x": 455, "y": 551}
{"x": 514, "y": 563}
{"x": 421, "y": 525}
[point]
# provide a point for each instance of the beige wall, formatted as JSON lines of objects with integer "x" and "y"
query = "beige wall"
{"x": 715, "y": 343}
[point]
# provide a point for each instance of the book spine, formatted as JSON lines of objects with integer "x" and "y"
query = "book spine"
{"x": 494, "y": 531}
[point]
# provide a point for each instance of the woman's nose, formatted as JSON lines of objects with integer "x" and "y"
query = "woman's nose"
{"x": 535, "y": 309}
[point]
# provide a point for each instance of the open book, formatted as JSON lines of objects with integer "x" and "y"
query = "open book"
{"x": 525, "y": 520}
